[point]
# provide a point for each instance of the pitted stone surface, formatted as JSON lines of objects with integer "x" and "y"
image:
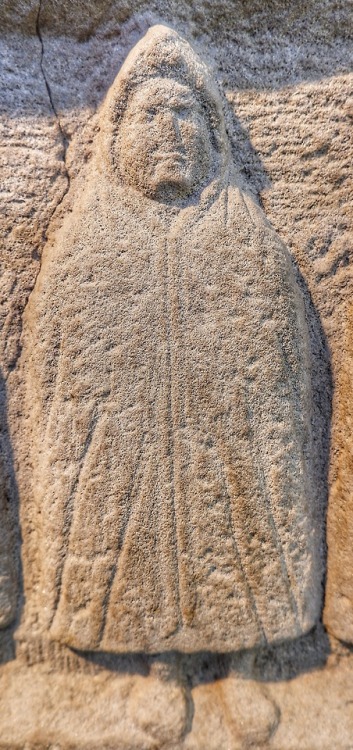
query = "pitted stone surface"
{"x": 8, "y": 568}
{"x": 169, "y": 373}
{"x": 339, "y": 597}
{"x": 287, "y": 75}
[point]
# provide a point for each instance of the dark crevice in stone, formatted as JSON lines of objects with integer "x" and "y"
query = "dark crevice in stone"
{"x": 63, "y": 136}
{"x": 65, "y": 142}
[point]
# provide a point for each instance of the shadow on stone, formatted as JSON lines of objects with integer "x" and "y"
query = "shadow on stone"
{"x": 10, "y": 566}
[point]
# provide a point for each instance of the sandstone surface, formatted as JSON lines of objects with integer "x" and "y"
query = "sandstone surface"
{"x": 286, "y": 72}
{"x": 339, "y": 591}
{"x": 169, "y": 398}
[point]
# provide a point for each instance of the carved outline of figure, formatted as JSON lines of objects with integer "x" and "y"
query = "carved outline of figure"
{"x": 8, "y": 588}
{"x": 8, "y": 542}
{"x": 171, "y": 366}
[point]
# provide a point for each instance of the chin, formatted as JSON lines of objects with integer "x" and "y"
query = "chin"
{"x": 172, "y": 187}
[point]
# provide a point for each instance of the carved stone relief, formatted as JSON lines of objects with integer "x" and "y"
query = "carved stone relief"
{"x": 167, "y": 353}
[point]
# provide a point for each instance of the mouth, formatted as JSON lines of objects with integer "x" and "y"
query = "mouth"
{"x": 171, "y": 156}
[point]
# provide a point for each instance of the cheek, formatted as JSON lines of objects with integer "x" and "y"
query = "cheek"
{"x": 198, "y": 145}
{"x": 132, "y": 140}
{"x": 195, "y": 138}
{"x": 134, "y": 148}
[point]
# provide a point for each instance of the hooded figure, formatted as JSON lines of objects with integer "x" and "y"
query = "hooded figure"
{"x": 169, "y": 363}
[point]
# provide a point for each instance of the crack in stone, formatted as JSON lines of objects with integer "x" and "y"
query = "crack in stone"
{"x": 64, "y": 139}
{"x": 64, "y": 142}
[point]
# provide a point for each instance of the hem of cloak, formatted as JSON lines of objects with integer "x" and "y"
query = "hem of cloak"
{"x": 187, "y": 641}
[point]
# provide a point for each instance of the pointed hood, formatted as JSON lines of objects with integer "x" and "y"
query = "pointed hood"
{"x": 163, "y": 53}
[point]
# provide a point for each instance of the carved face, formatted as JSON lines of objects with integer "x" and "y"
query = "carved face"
{"x": 164, "y": 145}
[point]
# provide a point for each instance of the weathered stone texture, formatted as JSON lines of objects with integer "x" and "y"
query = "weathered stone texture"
{"x": 287, "y": 74}
{"x": 339, "y": 598}
{"x": 86, "y": 711}
{"x": 169, "y": 394}
{"x": 8, "y": 567}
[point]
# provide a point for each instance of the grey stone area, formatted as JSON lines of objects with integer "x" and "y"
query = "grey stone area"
{"x": 287, "y": 75}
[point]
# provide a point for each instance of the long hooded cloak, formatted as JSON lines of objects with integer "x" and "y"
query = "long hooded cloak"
{"x": 168, "y": 358}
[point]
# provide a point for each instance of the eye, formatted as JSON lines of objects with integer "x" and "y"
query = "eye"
{"x": 150, "y": 113}
{"x": 183, "y": 112}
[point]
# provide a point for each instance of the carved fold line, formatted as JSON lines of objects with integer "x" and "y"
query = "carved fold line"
{"x": 55, "y": 389}
{"x": 69, "y": 507}
{"x": 181, "y": 519}
{"x": 170, "y": 425}
{"x": 125, "y": 531}
{"x": 129, "y": 493}
{"x": 290, "y": 378}
{"x": 237, "y": 552}
{"x": 266, "y": 495}
{"x": 235, "y": 546}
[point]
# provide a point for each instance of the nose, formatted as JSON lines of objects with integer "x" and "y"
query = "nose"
{"x": 171, "y": 125}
